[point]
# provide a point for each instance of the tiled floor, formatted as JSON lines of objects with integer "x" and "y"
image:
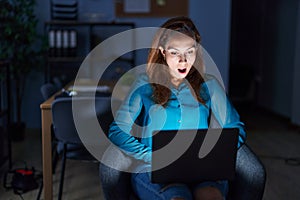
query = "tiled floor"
{"x": 276, "y": 142}
{"x": 81, "y": 178}
{"x": 271, "y": 137}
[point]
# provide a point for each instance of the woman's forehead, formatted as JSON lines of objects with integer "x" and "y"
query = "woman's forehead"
{"x": 180, "y": 41}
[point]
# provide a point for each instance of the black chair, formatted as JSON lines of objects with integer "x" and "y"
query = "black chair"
{"x": 70, "y": 145}
{"x": 47, "y": 90}
{"x": 249, "y": 182}
{"x": 57, "y": 82}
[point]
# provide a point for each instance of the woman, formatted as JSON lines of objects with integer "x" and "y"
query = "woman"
{"x": 175, "y": 93}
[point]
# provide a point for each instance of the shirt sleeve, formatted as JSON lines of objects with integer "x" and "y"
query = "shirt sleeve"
{"x": 120, "y": 130}
{"x": 223, "y": 110}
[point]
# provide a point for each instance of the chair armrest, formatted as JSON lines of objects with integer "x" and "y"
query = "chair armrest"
{"x": 250, "y": 176}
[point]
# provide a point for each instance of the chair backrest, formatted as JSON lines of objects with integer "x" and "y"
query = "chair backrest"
{"x": 47, "y": 90}
{"x": 57, "y": 82}
{"x": 63, "y": 120}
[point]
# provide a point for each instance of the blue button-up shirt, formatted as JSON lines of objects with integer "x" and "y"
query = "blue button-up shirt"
{"x": 139, "y": 115}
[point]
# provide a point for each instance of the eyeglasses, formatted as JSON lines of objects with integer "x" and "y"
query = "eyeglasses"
{"x": 174, "y": 53}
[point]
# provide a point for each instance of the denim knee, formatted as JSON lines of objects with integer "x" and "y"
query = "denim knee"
{"x": 143, "y": 187}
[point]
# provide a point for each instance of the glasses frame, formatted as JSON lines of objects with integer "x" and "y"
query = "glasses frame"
{"x": 175, "y": 53}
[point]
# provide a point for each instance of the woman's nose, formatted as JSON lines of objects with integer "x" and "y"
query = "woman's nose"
{"x": 182, "y": 58}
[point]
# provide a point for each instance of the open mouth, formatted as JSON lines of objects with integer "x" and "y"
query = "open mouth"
{"x": 182, "y": 70}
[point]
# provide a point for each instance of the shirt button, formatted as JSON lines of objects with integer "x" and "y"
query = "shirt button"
{"x": 179, "y": 121}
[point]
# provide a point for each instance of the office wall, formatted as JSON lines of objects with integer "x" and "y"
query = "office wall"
{"x": 265, "y": 39}
{"x": 278, "y": 35}
{"x": 211, "y": 17}
{"x": 295, "y": 110}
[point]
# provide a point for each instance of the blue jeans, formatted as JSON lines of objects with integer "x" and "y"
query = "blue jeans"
{"x": 143, "y": 187}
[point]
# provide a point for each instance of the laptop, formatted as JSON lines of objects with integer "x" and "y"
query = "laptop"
{"x": 177, "y": 158}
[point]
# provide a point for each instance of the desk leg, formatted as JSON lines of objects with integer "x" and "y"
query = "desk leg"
{"x": 47, "y": 153}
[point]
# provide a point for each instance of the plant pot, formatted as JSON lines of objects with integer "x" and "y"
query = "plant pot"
{"x": 17, "y": 131}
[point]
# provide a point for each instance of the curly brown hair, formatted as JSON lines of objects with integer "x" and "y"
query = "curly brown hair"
{"x": 157, "y": 68}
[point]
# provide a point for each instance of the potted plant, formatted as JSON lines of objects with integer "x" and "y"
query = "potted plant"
{"x": 18, "y": 42}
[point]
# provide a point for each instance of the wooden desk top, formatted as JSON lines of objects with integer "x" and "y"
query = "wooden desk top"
{"x": 84, "y": 82}
{"x": 47, "y": 104}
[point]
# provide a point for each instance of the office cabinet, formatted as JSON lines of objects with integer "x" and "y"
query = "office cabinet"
{"x": 69, "y": 42}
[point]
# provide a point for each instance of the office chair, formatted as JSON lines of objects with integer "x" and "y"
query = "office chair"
{"x": 57, "y": 82}
{"x": 248, "y": 184}
{"x": 47, "y": 90}
{"x": 70, "y": 145}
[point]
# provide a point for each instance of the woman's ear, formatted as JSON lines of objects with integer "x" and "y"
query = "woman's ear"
{"x": 162, "y": 51}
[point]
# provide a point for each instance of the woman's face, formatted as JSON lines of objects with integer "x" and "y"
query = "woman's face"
{"x": 180, "y": 55}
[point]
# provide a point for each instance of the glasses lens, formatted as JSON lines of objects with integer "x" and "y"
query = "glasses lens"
{"x": 188, "y": 53}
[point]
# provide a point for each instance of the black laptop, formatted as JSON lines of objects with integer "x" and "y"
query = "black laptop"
{"x": 177, "y": 158}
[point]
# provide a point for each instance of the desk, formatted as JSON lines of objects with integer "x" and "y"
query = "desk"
{"x": 47, "y": 147}
{"x": 46, "y": 139}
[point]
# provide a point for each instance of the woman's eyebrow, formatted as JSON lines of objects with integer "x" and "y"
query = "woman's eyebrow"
{"x": 170, "y": 47}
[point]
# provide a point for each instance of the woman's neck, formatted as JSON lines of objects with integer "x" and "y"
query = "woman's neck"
{"x": 176, "y": 82}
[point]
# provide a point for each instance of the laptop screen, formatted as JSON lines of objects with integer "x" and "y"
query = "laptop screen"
{"x": 178, "y": 155}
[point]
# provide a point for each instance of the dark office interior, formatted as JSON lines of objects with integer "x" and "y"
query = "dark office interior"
{"x": 254, "y": 44}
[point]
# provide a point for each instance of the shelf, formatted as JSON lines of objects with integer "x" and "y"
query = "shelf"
{"x": 85, "y": 42}
{"x": 65, "y": 59}
{"x": 88, "y": 23}
{"x": 80, "y": 59}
